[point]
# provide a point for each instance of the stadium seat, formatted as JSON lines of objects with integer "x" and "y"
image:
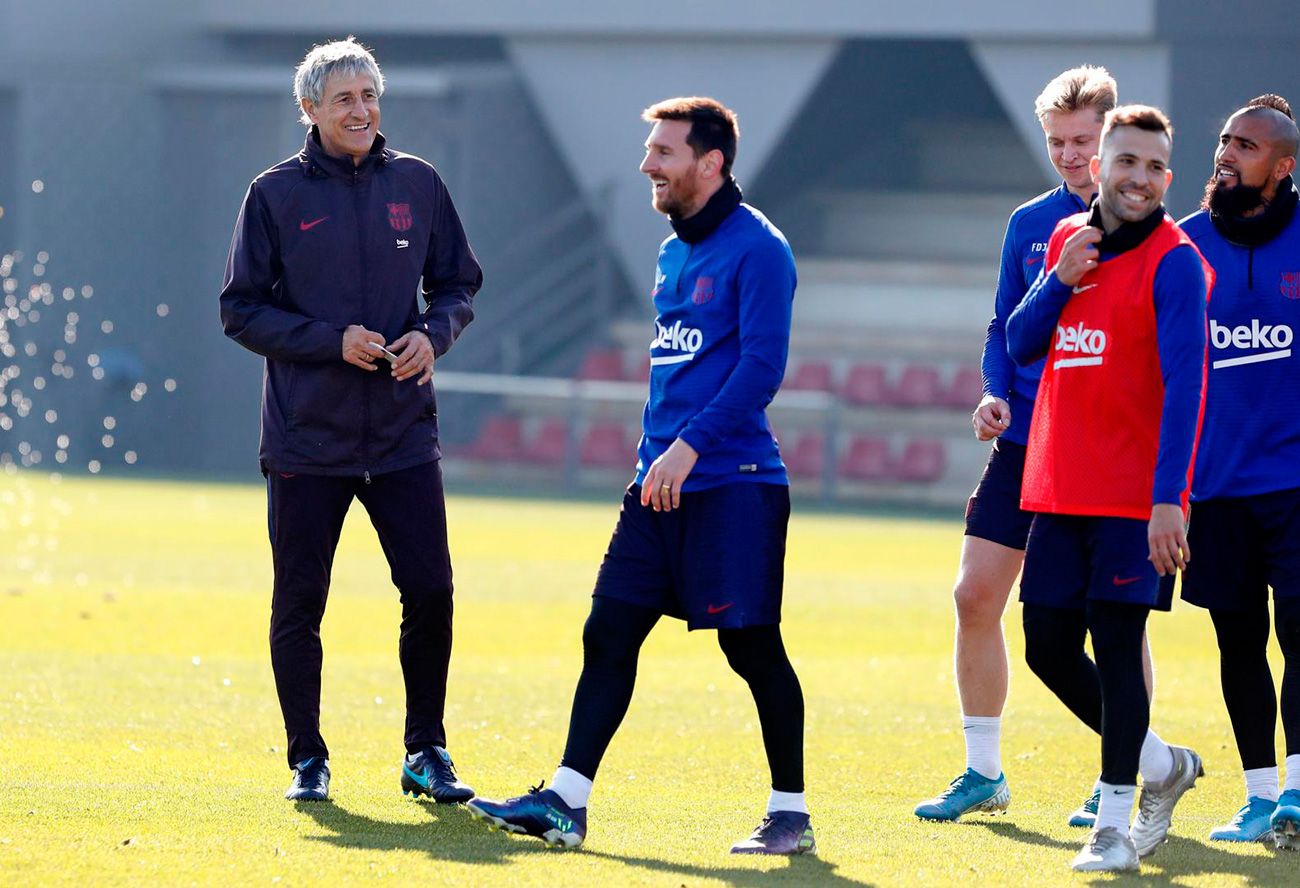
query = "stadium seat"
{"x": 807, "y": 458}
{"x": 923, "y": 460}
{"x": 602, "y": 364}
{"x": 605, "y": 446}
{"x": 867, "y": 459}
{"x": 811, "y": 376}
{"x": 642, "y": 372}
{"x": 549, "y": 444}
{"x": 964, "y": 392}
{"x": 866, "y": 385}
{"x": 500, "y": 439}
{"x": 918, "y": 386}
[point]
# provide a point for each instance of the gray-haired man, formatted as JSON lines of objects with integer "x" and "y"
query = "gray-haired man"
{"x": 328, "y": 252}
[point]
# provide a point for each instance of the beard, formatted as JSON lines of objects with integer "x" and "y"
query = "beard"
{"x": 1233, "y": 201}
{"x": 679, "y": 196}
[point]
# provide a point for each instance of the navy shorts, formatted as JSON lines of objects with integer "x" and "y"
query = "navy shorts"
{"x": 993, "y": 511}
{"x": 1240, "y": 547}
{"x": 717, "y": 562}
{"x": 1074, "y": 559}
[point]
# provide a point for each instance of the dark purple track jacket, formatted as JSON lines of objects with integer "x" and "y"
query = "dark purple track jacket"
{"x": 321, "y": 244}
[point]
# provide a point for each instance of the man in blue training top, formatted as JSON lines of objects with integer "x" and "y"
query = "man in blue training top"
{"x": 1070, "y": 108}
{"x": 701, "y": 535}
{"x": 1246, "y": 489}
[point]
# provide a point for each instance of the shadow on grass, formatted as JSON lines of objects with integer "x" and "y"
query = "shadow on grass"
{"x": 452, "y": 834}
{"x": 1008, "y": 830}
{"x": 1181, "y": 858}
{"x": 801, "y": 870}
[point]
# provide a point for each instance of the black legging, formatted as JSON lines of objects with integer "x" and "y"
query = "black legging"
{"x": 1248, "y": 682}
{"x": 1109, "y": 696}
{"x": 611, "y": 641}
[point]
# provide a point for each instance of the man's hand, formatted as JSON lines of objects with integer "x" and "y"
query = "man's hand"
{"x": 1079, "y": 255}
{"x": 991, "y": 418}
{"x": 662, "y": 487}
{"x": 414, "y": 355}
{"x": 1167, "y": 537}
{"x": 356, "y": 346}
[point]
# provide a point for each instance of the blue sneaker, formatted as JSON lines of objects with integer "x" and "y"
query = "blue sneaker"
{"x": 1250, "y": 824}
{"x": 541, "y": 813}
{"x": 1086, "y": 814}
{"x": 781, "y": 832}
{"x": 311, "y": 780}
{"x": 1286, "y": 821}
{"x": 430, "y": 772}
{"x": 971, "y": 791}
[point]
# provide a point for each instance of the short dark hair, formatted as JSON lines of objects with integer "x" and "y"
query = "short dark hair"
{"x": 713, "y": 125}
{"x": 1144, "y": 117}
{"x": 1274, "y": 101}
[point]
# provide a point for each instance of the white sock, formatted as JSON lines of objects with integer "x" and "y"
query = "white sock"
{"x": 1292, "y": 773}
{"x": 1157, "y": 760}
{"x": 786, "y": 801}
{"x": 1261, "y": 783}
{"x": 1116, "y": 806}
{"x": 983, "y": 744}
{"x": 571, "y": 786}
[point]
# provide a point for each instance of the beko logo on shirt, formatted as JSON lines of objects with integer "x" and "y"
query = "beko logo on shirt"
{"x": 1078, "y": 339}
{"x": 684, "y": 340}
{"x": 1277, "y": 338}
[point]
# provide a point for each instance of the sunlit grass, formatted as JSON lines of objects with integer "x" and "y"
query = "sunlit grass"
{"x": 140, "y": 740}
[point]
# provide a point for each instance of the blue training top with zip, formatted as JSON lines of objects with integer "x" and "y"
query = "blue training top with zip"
{"x": 722, "y": 336}
{"x": 1250, "y": 437}
{"x": 1023, "y": 249}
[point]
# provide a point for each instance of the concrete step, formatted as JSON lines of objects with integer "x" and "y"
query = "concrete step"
{"x": 923, "y": 226}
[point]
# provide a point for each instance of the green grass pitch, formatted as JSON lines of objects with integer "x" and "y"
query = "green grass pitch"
{"x": 141, "y": 742}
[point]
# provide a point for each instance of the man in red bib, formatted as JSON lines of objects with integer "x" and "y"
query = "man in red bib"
{"x": 1119, "y": 312}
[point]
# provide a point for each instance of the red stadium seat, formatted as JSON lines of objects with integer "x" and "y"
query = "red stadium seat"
{"x": 918, "y": 386}
{"x": 867, "y": 459}
{"x": 807, "y": 458}
{"x": 603, "y": 364}
{"x": 549, "y": 445}
{"x": 642, "y": 372}
{"x": 605, "y": 446}
{"x": 923, "y": 460}
{"x": 866, "y": 385}
{"x": 811, "y": 376}
{"x": 501, "y": 439}
{"x": 965, "y": 390}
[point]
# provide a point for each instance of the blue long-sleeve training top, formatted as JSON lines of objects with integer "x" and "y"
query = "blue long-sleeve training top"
{"x": 721, "y": 340}
{"x": 1179, "y": 297}
{"x": 1023, "y": 249}
{"x": 1250, "y": 438}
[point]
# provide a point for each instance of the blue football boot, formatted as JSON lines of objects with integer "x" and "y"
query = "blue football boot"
{"x": 1250, "y": 824}
{"x": 541, "y": 813}
{"x": 972, "y": 791}
{"x": 311, "y": 780}
{"x": 1086, "y": 814}
{"x": 781, "y": 832}
{"x": 430, "y": 772}
{"x": 1286, "y": 821}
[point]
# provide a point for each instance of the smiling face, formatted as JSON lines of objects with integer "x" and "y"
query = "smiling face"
{"x": 1248, "y": 165}
{"x": 348, "y": 116}
{"x": 1132, "y": 174}
{"x": 1072, "y": 138}
{"x": 680, "y": 182}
